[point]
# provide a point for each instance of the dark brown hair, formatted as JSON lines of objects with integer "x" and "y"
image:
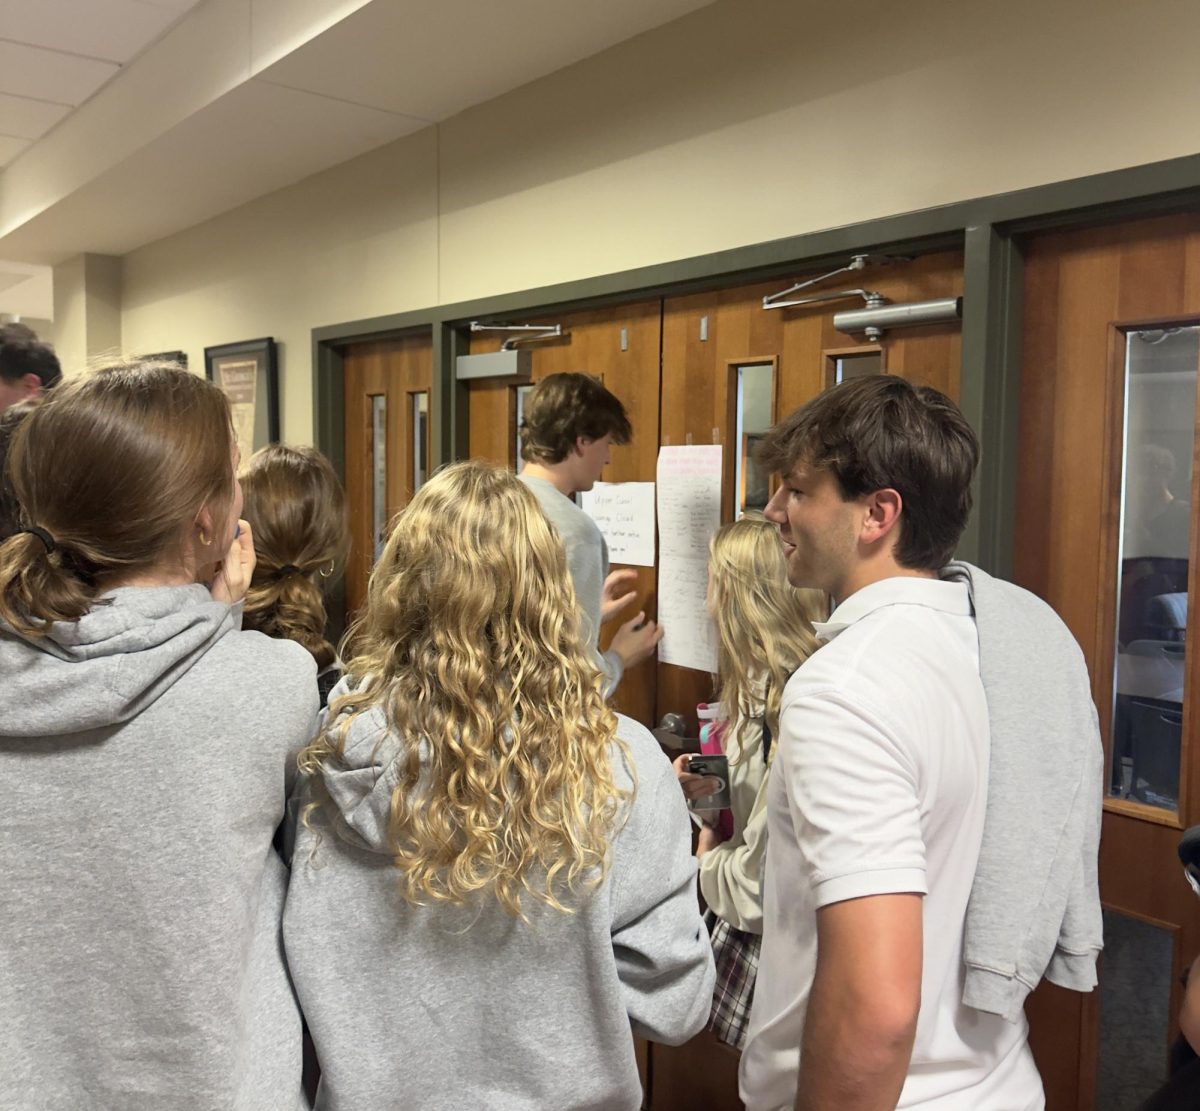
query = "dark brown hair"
{"x": 10, "y": 421}
{"x": 21, "y": 357}
{"x": 16, "y": 332}
{"x": 882, "y": 432}
{"x": 297, "y": 510}
{"x": 563, "y": 407}
{"x": 114, "y": 465}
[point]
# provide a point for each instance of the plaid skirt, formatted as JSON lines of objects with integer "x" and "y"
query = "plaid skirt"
{"x": 736, "y": 956}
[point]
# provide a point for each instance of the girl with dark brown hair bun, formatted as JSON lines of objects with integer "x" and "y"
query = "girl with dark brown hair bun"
{"x": 145, "y": 753}
{"x": 297, "y": 508}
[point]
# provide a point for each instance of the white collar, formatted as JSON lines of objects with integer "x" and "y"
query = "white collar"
{"x": 937, "y": 594}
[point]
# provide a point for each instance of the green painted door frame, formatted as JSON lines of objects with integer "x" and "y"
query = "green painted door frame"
{"x": 988, "y": 229}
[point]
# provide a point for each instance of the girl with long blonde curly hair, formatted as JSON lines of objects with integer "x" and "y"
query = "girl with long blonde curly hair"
{"x": 764, "y": 631}
{"x": 486, "y": 846}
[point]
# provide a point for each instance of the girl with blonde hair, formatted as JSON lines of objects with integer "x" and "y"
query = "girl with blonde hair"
{"x": 487, "y": 852}
{"x": 296, "y": 506}
{"x": 764, "y": 628}
{"x": 144, "y": 753}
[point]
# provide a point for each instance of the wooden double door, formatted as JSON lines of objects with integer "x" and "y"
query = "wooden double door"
{"x": 675, "y": 365}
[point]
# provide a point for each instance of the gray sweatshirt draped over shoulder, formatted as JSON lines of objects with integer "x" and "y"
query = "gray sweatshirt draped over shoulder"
{"x": 1034, "y": 911}
{"x": 436, "y": 1007}
{"x": 143, "y": 757}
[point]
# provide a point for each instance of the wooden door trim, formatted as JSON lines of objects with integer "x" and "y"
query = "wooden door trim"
{"x": 513, "y": 387}
{"x": 410, "y": 439}
{"x": 1112, "y": 476}
{"x": 832, "y": 354}
{"x": 729, "y": 466}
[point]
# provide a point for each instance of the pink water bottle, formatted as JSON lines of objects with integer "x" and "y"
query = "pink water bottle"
{"x": 712, "y": 737}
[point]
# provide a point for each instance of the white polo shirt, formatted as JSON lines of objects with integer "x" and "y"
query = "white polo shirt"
{"x": 878, "y": 787}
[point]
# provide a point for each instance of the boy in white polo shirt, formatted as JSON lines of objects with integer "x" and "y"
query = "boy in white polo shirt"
{"x": 877, "y": 795}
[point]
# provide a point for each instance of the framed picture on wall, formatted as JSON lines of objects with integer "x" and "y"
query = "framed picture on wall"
{"x": 248, "y": 375}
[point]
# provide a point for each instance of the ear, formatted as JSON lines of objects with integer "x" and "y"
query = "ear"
{"x": 882, "y": 516}
{"x": 582, "y": 442}
{"x": 204, "y": 524}
{"x": 32, "y": 385}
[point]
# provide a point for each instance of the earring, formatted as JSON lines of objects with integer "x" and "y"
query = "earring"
{"x": 327, "y": 571}
{"x": 204, "y": 538}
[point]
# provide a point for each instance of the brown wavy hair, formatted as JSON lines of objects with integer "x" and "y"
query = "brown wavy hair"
{"x": 296, "y": 507}
{"x": 883, "y": 432}
{"x": 563, "y": 407}
{"x": 10, "y": 421}
{"x": 764, "y": 624}
{"x": 115, "y": 465}
{"x": 471, "y": 646}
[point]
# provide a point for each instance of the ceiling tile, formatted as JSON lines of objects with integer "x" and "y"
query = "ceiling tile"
{"x": 28, "y": 119}
{"x": 257, "y": 139}
{"x": 110, "y": 30}
{"x": 45, "y": 75}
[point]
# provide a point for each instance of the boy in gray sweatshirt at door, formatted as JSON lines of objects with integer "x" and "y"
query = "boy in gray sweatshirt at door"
{"x": 571, "y": 421}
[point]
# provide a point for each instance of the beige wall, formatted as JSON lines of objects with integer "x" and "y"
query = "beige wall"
{"x": 355, "y": 241}
{"x": 747, "y": 121}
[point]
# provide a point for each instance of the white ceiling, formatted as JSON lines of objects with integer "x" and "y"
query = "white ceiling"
{"x": 54, "y": 54}
{"x": 119, "y": 119}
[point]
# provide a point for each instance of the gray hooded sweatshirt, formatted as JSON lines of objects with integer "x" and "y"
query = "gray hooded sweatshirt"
{"x": 1035, "y": 903}
{"x": 440, "y": 1008}
{"x": 143, "y": 756}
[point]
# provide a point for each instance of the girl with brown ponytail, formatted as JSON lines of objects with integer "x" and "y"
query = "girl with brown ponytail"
{"x": 144, "y": 753}
{"x": 297, "y": 509}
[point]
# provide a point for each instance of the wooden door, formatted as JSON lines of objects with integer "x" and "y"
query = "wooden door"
{"x": 1099, "y": 303}
{"x": 706, "y": 338}
{"x": 620, "y": 346}
{"x": 388, "y": 390}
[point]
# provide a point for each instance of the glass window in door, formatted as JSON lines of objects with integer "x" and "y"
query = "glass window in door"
{"x": 754, "y": 407}
{"x": 419, "y": 438}
{"x": 378, "y": 470}
{"x": 1152, "y": 571}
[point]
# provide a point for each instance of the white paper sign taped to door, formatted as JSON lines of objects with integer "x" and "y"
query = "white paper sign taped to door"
{"x": 624, "y": 512}
{"x": 689, "y": 512}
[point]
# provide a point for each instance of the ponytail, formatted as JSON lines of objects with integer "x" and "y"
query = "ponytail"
{"x": 296, "y": 506}
{"x": 106, "y": 475}
{"x": 40, "y": 584}
{"x": 290, "y": 606}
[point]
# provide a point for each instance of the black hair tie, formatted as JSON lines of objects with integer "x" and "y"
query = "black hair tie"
{"x": 287, "y": 569}
{"x": 42, "y": 535}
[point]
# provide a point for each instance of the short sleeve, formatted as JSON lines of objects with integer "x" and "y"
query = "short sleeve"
{"x": 854, "y": 797}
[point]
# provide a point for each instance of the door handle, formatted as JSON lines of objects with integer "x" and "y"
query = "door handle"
{"x": 672, "y": 734}
{"x": 673, "y": 723}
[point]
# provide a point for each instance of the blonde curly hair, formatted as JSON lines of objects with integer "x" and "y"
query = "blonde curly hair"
{"x": 470, "y": 644}
{"x": 764, "y": 624}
